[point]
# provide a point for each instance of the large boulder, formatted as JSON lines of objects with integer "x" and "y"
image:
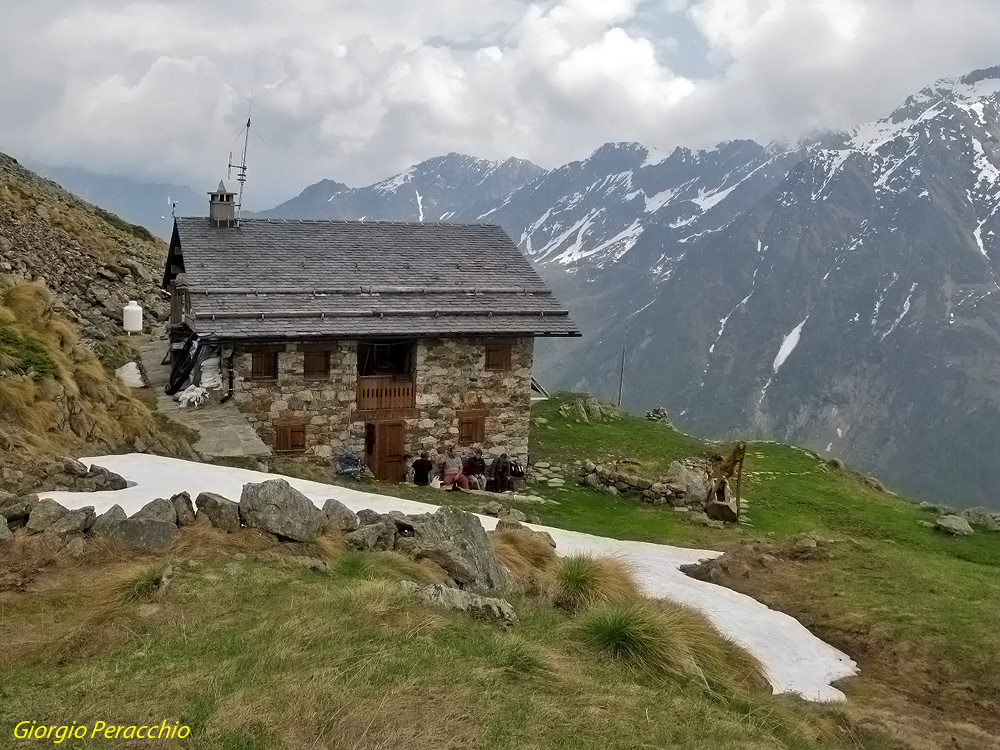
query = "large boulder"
{"x": 339, "y": 516}
{"x": 498, "y": 610}
{"x": 221, "y": 511}
{"x": 456, "y": 540}
{"x": 279, "y": 508}
{"x": 74, "y": 522}
{"x": 982, "y": 517}
{"x": 142, "y": 534}
{"x": 954, "y": 525}
{"x": 694, "y": 480}
{"x": 111, "y": 517}
{"x": 106, "y": 479}
{"x": 183, "y": 508}
{"x": 45, "y": 513}
{"x": 160, "y": 509}
{"x": 380, "y": 535}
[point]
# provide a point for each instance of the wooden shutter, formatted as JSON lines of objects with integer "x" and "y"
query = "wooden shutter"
{"x": 498, "y": 356}
{"x": 316, "y": 365}
{"x": 264, "y": 366}
{"x": 290, "y": 436}
{"x": 471, "y": 429}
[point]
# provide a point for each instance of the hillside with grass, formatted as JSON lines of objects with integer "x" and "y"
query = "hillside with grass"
{"x": 256, "y": 643}
{"x": 93, "y": 261}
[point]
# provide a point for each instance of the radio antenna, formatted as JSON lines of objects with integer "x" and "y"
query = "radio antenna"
{"x": 241, "y": 168}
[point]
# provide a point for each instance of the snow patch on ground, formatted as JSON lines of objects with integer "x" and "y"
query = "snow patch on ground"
{"x": 794, "y": 660}
{"x": 129, "y": 374}
{"x": 788, "y": 345}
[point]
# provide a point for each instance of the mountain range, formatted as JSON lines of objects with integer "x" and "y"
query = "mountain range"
{"x": 840, "y": 293}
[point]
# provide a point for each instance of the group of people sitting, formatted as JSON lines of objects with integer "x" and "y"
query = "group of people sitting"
{"x": 472, "y": 472}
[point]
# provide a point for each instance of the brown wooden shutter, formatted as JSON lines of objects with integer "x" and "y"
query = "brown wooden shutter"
{"x": 471, "y": 429}
{"x": 498, "y": 356}
{"x": 290, "y": 436}
{"x": 316, "y": 365}
{"x": 264, "y": 366}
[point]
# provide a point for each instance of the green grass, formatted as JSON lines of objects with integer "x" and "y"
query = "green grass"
{"x": 269, "y": 657}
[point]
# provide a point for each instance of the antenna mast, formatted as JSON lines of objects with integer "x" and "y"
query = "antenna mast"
{"x": 241, "y": 168}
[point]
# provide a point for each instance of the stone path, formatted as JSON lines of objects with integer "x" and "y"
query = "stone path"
{"x": 223, "y": 429}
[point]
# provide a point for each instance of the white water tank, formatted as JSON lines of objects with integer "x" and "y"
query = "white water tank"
{"x": 132, "y": 317}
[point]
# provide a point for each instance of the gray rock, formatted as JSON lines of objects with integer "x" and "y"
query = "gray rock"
{"x": 611, "y": 489}
{"x": 704, "y": 520}
{"x": 112, "y": 516}
{"x": 592, "y": 480}
{"x": 457, "y": 542}
{"x": 5, "y": 533}
{"x": 16, "y": 508}
{"x": 498, "y": 610}
{"x": 374, "y": 536}
{"x": 143, "y": 534}
{"x": 160, "y": 509}
{"x": 493, "y": 508}
{"x": 368, "y": 516}
{"x": 107, "y": 479}
{"x": 955, "y": 525}
{"x": 340, "y": 516}
{"x": 183, "y": 508}
{"x": 222, "y": 512}
{"x": 74, "y": 468}
{"x": 695, "y": 481}
{"x": 589, "y": 466}
{"x": 513, "y": 514}
{"x": 279, "y": 508}
{"x": 45, "y": 513}
{"x": 74, "y": 522}
{"x": 982, "y": 517}
{"x": 75, "y": 547}
{"x": 721, "y": 511}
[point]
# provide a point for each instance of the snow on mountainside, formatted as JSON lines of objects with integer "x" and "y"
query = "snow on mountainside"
{"x": 434, "y": 190}
{"x": 841, "y": 293}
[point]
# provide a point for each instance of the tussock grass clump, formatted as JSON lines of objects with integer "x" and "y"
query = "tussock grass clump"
{"x": 29, "y": 302}
{"x": 525, "y": 554}
{"x": 517, "y": 656}
{"x": 382, "y": 566}
{"x": 580, "y": 581}
{"x": 666, "y": 638}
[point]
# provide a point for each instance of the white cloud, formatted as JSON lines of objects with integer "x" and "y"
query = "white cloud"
{"x": 358, "y": 91}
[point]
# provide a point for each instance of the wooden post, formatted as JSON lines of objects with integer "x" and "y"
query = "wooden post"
{"x": 739, "y": 477}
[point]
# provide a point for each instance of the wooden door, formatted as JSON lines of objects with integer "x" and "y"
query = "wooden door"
{"x": 384, "y": 450}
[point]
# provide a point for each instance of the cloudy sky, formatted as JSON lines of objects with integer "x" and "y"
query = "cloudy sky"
{"x": 357, "y": 91}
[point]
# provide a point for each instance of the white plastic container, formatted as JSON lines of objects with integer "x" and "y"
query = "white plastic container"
{"x": 132, "y": 317}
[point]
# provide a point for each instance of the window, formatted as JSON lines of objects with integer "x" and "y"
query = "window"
{"x": 290, "y": 436}
{"x": 471, "y": 429}
{"x": 316, "y": 365}
{"x": 498, "y": 356}
{"x": 264, "y": 366}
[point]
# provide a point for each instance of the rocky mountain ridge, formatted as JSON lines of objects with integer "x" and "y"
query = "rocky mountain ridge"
{"x": 838, "y": 293}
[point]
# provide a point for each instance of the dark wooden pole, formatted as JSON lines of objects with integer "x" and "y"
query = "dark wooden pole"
{"x": 739, "y": 477}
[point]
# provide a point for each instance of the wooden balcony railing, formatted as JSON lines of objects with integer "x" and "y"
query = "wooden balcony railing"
{"x": 385, "y": 392}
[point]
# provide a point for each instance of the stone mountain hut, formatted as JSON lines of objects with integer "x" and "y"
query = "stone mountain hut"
{"x": 369, "y": 338}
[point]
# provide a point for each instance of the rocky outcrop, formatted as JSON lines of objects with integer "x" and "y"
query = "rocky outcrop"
{"x": 112, "y": 516}
{"x": 954, "y": 525}
{"x": 279, "y": 508}
{"x": 339, "y": 516}
{"x": 160, "y": 509}
{"x": 75, "y": 522}
{"x": 685, "y": 483}
{"x": 221, "y": 512}
{"x": 437, "y": 595}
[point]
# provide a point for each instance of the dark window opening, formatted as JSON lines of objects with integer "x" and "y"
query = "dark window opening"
{"x": 290, "y": 436}
{"x": 385, "y": 358}
{"x": 316, "y": 365}
{"x": 498, "y": 356}
{"x": 471, "y": 429}
{"x": 264, "y": 366}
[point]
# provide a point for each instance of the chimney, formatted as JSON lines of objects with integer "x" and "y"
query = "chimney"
{"x": 221, "y": 208}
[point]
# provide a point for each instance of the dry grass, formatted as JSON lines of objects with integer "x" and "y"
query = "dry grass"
{"x": 29, "y": 302}
{"x": 580, "y": 581}
{"x": 526, "y": 555}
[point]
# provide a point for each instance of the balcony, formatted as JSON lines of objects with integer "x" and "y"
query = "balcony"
{"x": 379, "y": 393}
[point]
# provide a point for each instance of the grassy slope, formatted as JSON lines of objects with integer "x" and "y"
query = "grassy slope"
{"x": 337, "y": 660}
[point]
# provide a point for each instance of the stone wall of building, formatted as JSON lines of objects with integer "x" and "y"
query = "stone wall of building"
{"x": 324, "y": 405}
{"x": 450, "y": 381}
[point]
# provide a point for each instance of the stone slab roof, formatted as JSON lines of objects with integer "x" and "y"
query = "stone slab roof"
{"x": 311, "y": 278}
